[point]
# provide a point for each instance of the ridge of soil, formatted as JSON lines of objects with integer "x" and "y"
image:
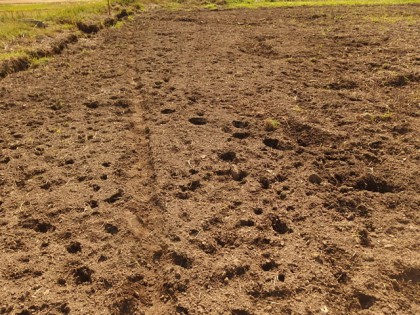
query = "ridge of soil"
{"x": 139, "y": 173}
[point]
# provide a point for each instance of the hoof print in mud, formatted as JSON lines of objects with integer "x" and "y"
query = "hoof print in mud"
{"x": 5, "y": 160}
{"x": 279, "y": 226}
{"x": 235, "y": 271}
{"x": 272, "y": 143}
{"x": 92, "y": 104}
{"x": 228, "y": 156}
{"x": 115, "y": 197}
{"x": 182, "y": 260}
{"x": 269, "y": 265}
{"x": 245, "y": 223}
{"x": 181, "y": 310}
{"x": 111, "y": 229}
{"x": 364, "y": 238}
{"x": 191, "y": 186}
{"x": 135, "y": 278}
{"x": 183, "y": 195}
{"x": 199, "y": 121}
{"x": 342, "y": 85}
{"x": 74, "y": 247}
{"x": 64, "y": 308}
{"x": 406, "y": 278}
{"x": 37, "y": 225}
{"x": 374, "y": 184}
{"x": 122, "y": 103}
{"x": 93, "y": 204}
{"x": 83, "y": 275}
{"x": 277, "y": 144}
{"x": 168, "y": 111}
{"x": 240, "y": 124}
{"x": 241, "y": 135}
{"x": 366, "y": 301}
{"x": 125, "y": 306}
{"x": 264, "y": 182}
{"x": 401, "y": 80}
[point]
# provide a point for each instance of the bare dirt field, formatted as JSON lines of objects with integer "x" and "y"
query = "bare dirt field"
{"x": 139, "y": 173}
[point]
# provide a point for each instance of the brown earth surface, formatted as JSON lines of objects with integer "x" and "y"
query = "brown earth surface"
{"x": 138, "y": 174}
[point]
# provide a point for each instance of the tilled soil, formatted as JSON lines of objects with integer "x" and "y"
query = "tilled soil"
{"x": 140, "y": 172}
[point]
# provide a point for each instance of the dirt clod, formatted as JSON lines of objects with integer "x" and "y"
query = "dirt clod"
{"x": 88, "y": 28}
{"x": 237, "y": 174}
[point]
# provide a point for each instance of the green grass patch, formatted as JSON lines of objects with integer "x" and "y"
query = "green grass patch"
{"x": 210, "y": 6}
{"x": 51, "y": 12}
{"x": 255, "y": 4}
{"x": 37, "y": 62}
{"x": 383, "y": 117}
{"x": 271, "y": 124}
{"x": 10, "y": 55}
{"x": 297, "y": 3}
{"x": 22, "y": 25}
{"x": 15, "y": 19}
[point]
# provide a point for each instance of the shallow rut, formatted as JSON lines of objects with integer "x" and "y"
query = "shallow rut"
{"x": 79, "y": 222}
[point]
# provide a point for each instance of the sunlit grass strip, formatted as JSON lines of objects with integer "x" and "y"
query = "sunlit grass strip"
{"x": 58, "y": 16}
{"x": 295, "y": 3}
{"x": 52, "y": 11}
{"x": 16, "y": 54}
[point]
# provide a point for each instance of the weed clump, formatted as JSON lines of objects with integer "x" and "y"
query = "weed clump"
{"x": 271, "y": 124}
